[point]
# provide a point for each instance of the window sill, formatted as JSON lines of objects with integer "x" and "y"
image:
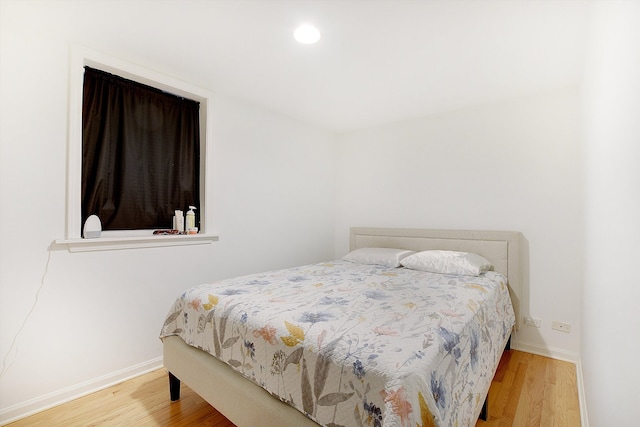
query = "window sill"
{"x": 136, "y": 242}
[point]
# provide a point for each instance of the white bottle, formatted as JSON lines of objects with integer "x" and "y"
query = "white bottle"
{"x": 179, "y": 221}
{"x": 191, "y": 219}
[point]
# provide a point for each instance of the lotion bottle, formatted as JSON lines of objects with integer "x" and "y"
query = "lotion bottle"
{"x": 179, "y": 221}
{"x": 191, "y": 219}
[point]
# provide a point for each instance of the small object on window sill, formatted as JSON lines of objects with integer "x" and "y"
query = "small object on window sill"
{"x": 190, "y": 221}
{"x": 162, "y": 232}
{"x": 174, "y": 232}
{"x": 178, "y": 221}
{"x": 92, "y": 227}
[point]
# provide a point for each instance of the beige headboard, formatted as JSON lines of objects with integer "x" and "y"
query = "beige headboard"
{"x": 502, "y": 248}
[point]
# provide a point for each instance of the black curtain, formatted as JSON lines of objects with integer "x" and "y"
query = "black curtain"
{"x": 140, "y": 153}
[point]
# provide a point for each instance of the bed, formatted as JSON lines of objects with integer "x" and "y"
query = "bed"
{"x": 320, "y": 368}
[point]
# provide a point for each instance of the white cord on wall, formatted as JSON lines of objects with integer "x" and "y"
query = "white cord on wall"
{"x": 14, "y": 342}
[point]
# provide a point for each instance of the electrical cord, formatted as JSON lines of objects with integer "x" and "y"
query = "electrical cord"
{"x": 14, "y": 342}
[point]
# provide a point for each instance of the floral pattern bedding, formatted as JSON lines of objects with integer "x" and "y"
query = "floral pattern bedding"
{"x": 356, "y": 345}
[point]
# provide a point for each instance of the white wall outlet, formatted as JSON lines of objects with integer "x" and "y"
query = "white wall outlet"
{"x": 530, "y": 321}
{"x": 562, "y": 327}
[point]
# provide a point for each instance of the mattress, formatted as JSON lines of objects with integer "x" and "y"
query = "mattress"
{"x": 354, "y": 344}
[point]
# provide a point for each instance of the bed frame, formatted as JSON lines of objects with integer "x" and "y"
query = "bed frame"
{"x": 246, "y": 404}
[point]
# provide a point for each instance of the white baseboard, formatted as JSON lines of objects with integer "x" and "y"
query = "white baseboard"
{"x": 554, "y": 353}
{"x": 582, "y": 398}
{"x": 49, "y": 400}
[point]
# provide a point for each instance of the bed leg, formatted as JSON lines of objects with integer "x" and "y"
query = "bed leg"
{"x": 174, "y": 387}
{"x": 484, "y": 412}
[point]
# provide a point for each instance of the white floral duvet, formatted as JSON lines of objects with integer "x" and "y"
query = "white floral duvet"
{"x": 356, "y": 345}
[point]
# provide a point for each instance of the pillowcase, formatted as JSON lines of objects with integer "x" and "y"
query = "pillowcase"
{"x": 380, "y": 256}
{"x": 448, "y": 262}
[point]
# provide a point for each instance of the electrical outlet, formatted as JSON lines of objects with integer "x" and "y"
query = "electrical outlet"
{"x": 530, "y": 321}
{"x": 562, "y": 327}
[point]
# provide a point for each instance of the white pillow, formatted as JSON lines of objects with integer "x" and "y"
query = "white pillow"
{"x": 448, "y": 262}
{"x": 379, "y": 256}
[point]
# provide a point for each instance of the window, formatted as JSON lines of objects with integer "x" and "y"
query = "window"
{"x": 140, "y": 153}
{"x": 82, "y": 57}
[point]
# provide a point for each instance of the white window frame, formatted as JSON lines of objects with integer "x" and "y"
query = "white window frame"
{"x": 81, "y": 57}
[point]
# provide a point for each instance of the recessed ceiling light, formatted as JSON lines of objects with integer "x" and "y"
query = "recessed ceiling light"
{"x": 307, "y": 34}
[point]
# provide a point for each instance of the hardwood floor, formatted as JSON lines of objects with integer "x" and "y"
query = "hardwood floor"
{"x": 528, "y": 390}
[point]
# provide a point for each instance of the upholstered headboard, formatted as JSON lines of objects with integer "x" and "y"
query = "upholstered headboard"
{"x": 502, "y": 248}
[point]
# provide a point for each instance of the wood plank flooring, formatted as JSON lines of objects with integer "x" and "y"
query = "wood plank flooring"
{"x": 531, "y": 390}
{"x": 527, "y": 390}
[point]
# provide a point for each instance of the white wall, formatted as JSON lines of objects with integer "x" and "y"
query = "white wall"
{"x": 611, "y": 327}
{"x": 98, "y": 315}
{"x": 514, "y": 165}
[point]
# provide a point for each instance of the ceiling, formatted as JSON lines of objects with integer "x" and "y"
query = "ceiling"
{"x": 377, "y": 61}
